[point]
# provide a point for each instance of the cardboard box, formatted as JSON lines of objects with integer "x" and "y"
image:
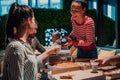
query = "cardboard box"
{"x": 61, "y": 67}
{"x": 79, "y": 75}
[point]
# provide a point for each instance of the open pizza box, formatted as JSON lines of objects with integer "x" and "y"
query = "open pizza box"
{"x": 66, "y": 66}
{"x": 111, "y": 72}
{"x": 63, "y": 67}
{"x": 58, "y": 65}
{"x": 78, "y": 70}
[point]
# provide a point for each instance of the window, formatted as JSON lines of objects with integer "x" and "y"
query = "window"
{"x": 33, "y": 3}
{"x": 25, "y": 2}
{"x": 95, "y": 5}
{"x": 48, "y": 35}
{"x": 51, "y": 4}
{"x": 55, "y": 4}
{"x": 113, "y": 12}
{"x": 92, "y": 4}
{"x": 105, "y": 9}
{"x": 5, "y": 4}
{"x": 109, "y": 11}
{"x": 44, "y": 3}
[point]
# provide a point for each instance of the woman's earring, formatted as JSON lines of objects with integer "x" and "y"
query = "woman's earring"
{"x": 14, "y": 30}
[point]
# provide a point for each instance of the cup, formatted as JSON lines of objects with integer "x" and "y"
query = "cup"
{"x": 83, "y": 66}
{"x": 73, "y": 58}
{"x": 58, "y": 48}
{"x": 94, "y": 66}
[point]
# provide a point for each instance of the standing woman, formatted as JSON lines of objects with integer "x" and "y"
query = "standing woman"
{"x": 20, "y": 63}
{"x": 83, "y": 29}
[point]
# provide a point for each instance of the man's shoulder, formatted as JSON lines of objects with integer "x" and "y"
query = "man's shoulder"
{"x": 58, "y": 41}
{"x": 35, "y": 39}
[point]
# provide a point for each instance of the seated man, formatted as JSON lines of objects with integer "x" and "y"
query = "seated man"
{"x": 56, "y": 41}
{"x": 38, "y": 49}
{"x": 56, "y": 38}
{"x": 62, "y": 42}
{"x": 35, "y": 44}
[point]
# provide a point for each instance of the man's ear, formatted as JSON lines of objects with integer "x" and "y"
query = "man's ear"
{"x": 84, "y": 10}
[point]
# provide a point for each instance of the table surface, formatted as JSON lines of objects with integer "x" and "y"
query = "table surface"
{"x": 87, "y": 75}
{"x": 81, "y": 75}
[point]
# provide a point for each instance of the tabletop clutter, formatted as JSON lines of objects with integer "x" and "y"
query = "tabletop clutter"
{"x": 69, "y": 68}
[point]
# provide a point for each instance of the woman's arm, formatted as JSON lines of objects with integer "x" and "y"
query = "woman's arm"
{"x": 115, "y": 58}
{"x": 43, "y": 56}
{"x": 13, "y": 67}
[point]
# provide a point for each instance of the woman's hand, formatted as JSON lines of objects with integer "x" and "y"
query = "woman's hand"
{"x": 67, "y": 44}
{"x": 39, "y": 76}
{"x": 54, "y": 49}
{"x": 81, "y": 42}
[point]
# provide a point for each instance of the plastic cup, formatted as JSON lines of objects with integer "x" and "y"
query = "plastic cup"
{"x": 83, "y": 66}
{"x": 94, "y": 66}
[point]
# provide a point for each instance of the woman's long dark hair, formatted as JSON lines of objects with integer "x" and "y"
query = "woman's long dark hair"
{"x": 82, "y": 2}
{"x": 16, "y": 18}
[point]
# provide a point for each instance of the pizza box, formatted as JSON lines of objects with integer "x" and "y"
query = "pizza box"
{"x": 61, "y": 67}
{"x": 78, "y": 75}
{"x": 111, "y": 72}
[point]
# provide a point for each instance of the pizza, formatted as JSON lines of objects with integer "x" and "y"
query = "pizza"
{"x": 67, "y": 65}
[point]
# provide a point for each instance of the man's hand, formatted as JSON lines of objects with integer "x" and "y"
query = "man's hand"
{"x": 103, "y": 61}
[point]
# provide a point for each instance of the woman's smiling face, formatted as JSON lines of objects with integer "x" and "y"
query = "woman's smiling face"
{"x": 76, "y": 10}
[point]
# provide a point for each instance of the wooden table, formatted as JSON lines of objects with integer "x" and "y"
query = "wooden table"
{"x": 78, "y": 74}
{"x": 111, "y": 72}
